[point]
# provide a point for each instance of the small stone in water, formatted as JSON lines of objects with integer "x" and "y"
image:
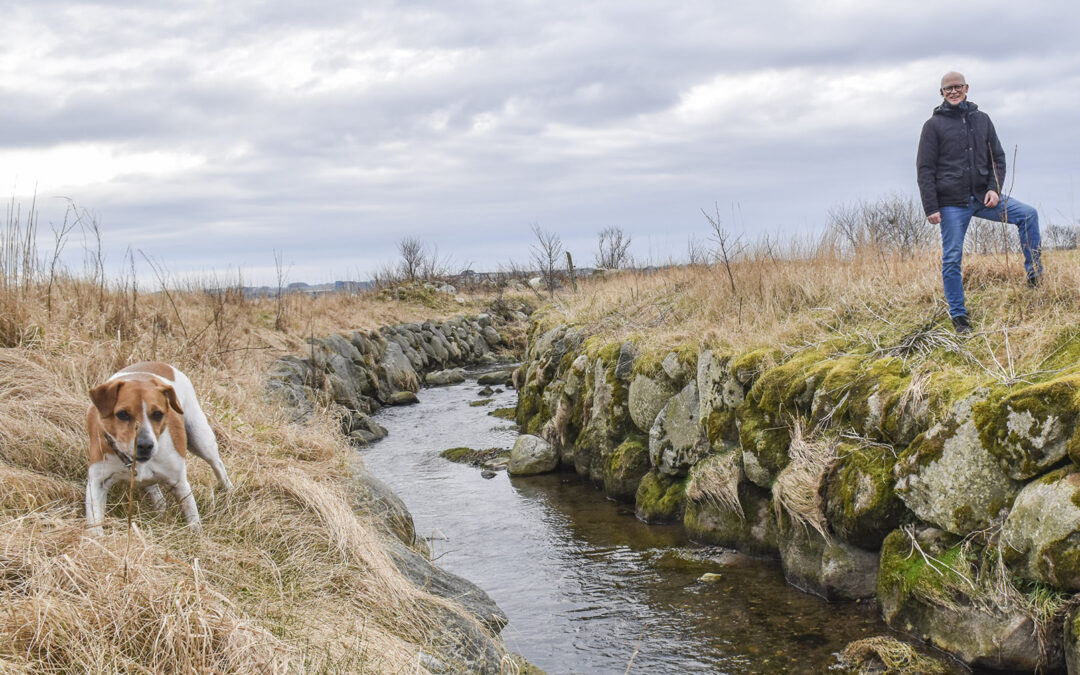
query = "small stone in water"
{"x": 710, "y": 577}
{"x": 487, "y": 473}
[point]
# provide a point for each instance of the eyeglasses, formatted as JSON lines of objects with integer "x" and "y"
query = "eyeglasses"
{"x": 952, "y": 87}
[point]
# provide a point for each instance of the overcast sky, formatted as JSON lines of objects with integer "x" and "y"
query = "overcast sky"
{"x": 209, "y": 135}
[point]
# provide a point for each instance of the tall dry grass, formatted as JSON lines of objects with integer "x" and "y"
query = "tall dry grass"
{"x": 815, "y": 291}
{"x": 285, "y": 578}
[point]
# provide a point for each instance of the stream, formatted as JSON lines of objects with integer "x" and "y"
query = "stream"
{"x": 588, "y": 587}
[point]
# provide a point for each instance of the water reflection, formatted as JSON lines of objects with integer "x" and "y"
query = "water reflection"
{"x": 589, "y": 588}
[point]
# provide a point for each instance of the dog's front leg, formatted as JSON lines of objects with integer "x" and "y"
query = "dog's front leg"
{"x": 98, "y": 482}
{"x": 157, "y": 500}
{"x": 182, "y": 491}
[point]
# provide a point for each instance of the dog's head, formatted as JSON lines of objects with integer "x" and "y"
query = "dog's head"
{"x": 134, "y": 413}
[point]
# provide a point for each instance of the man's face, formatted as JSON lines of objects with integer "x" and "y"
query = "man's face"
{"x": 953, "y": 88}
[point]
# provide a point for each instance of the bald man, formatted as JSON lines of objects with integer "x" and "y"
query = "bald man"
{"x": 961, "y": 169}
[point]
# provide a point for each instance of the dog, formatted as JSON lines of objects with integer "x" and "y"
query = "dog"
{"x": 143, "y": 420}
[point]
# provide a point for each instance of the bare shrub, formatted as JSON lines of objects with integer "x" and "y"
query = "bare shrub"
{"x": 894, "y": 224}
{"x": 547, "y": 254}
{"x": 613, "y": 249}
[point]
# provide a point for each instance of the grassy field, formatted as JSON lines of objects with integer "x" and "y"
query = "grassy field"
{"x": 890, "y": 302}
{"x": 285, "y": 578}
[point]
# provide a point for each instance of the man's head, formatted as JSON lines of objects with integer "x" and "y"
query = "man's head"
{"x": 953, "y": 87}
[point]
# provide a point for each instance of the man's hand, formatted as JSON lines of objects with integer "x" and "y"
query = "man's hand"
{"x": 991, "y": 199}
{"x": 934, "y": 218}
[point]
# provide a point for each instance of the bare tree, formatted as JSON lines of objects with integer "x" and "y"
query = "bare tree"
{"x": 893, "y": 224}
{"x": 696, "y": 252}
{"x": 1065, "y": 237}
{"x": 413, "y": 258}
{"x": 613, "y": 248}
{"x": 730, "y": 247}
{"x": 547, "y": 253}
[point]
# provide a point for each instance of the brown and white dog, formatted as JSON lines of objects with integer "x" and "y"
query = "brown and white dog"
{"x": 147, "y": 414}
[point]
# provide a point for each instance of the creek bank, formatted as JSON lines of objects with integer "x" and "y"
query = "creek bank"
{"x": 956, "y": 506}
{"x": 359, "y": 373}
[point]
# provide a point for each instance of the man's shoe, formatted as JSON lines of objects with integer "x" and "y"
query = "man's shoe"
{"x": 960, "y": 324}
{"x": 1034, "y": 280}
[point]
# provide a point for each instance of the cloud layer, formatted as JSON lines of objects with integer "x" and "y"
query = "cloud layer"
{"x": 210, "y": 135}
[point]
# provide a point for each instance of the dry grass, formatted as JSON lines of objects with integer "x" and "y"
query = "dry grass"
{"x": 817, "y": 292}
{"x": 286, "y": 578}
{"x": 715, "y": 480}
{"x": 798, "y": 489}
{"x": 888, "y": 655}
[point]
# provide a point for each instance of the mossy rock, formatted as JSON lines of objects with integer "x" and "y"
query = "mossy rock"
{"x": 504, "y": 413}
{"x": 931, "y": 592}
{"x": 625, "y": 466}
{"x": 947, "y": 478}
{"x": 1042, "y": 531}
{"x": 765, "y": 440}
{"x": 749, "y": 365}
{"x": 826, "y": 567}
{"x": 753, "y": 531}
{"x": 660, "y": 498}
{"x": 1033, "y": 428}
{"x": 860, "y": 503}
{"x": 476, "y": 458}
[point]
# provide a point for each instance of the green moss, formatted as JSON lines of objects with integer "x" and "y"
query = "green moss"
{"x": 474, "y": 457}
{"x": 480, "y": 402}
{"x": 660, "y": 498}
{"x": 504, "y": 413}
{"x": 907, "y": 572}
{"x": 1064, "y": 353}
{"x": 767, "y": 437}
{"x": 722, "y": 425}
{"x": 749, "y": 365}
{"x": 1022, "y": 451}
{"x": 860, "y": 503}
{"x": 624, "y": 466}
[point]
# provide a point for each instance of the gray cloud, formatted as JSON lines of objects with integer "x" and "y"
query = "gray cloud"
{"x": 220, "y": 133}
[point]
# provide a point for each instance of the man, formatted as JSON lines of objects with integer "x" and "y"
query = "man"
{"x": 961, "y": 168}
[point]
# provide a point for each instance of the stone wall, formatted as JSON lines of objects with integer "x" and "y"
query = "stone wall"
{"x": 364, "y": 371}
{"x": 956, "y": 507}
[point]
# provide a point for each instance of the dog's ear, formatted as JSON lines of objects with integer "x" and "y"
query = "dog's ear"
{"x": 170, "y": 394}
{"x": 104, "y": 397}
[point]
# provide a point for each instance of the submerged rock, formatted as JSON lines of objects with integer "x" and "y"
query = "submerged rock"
{"x": 660, "y": 498}
{"x": 827, "y": 567}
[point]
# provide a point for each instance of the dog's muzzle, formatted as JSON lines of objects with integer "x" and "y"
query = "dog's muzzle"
{"x": 144, "y": 445}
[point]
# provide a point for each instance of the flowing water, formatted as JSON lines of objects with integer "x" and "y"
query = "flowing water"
{"x": 589, "y": 588}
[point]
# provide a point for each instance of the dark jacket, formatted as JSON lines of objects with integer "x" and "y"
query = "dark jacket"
{"x": 960, "y": 156}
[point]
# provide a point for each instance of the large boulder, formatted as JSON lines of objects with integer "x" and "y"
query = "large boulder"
{"x": 660, "y": 498}
{"x": 624, "y": 468}
{"x": 825, "y": 566}
{"x": 719, "y": 394}
{"x": 1042, "y": 532}
{"x": 676, "y": 439}
{"x": 723, "y": 510}
{"x": 860, "y": 504}
{"x": 443, "y": 377}
{"x": 396, "y": 370}
{"x": 928, "y": 587}
{"x": 1031, "y": 429}
{"x": 532, "y": 455}
{"x": 947, "y": 478}
{"x": 648, "y": 396}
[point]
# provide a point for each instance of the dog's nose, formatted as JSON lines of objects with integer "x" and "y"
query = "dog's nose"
{"x": 143, "y": 450}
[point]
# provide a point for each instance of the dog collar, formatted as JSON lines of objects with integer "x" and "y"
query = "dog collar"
{"x": 124, "y": 457}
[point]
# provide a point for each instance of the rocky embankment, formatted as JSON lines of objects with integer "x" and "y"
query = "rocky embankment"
{"x": 956, "y": 507}
{"x": 357, "y": 374}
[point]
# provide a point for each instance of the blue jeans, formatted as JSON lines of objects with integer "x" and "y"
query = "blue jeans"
{"x": 954, "y": 225}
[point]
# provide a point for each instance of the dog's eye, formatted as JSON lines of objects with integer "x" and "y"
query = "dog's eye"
{"x": 123, "y": 415}
{"x": 157, "y": 415}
